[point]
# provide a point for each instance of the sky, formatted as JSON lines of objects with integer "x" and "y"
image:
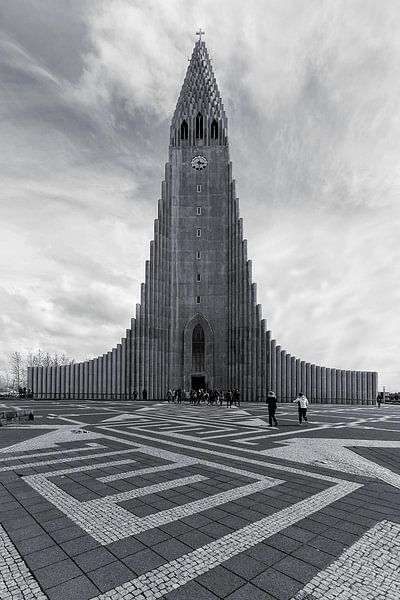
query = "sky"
{"x": 311, "y": 90}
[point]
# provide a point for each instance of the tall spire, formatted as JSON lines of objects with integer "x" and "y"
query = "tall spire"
{"x": 199, "y": 94}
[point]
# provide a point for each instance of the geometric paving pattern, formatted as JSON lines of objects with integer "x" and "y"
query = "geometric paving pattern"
{"x": 177, "y": 501}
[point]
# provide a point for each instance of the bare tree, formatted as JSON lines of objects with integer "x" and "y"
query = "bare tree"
{"x": 17, "y": 368}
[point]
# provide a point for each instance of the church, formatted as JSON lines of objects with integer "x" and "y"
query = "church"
{"x": 198, "y": 324}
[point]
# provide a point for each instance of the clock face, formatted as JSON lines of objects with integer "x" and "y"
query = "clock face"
{"x": 199, "y": 162}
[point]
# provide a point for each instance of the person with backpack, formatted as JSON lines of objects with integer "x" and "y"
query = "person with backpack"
{"x": 271, "y": 401}
{"x": 302, "y": 404}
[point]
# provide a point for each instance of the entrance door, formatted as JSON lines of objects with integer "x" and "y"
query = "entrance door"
{"x": 198, "y": 382}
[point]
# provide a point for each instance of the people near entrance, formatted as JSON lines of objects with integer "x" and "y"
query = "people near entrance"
{"x": 196, "y": 397}
{"x": 271, "y": 401}
{"x": 302, "y": 405}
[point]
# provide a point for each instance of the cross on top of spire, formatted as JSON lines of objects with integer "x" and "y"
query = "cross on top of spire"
{"x": 200, "y": 33}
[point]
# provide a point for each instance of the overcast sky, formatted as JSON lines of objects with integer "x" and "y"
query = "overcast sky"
{"x": 312, "y": 94}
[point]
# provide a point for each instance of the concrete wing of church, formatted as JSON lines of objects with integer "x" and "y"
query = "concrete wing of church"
{"x": 198, "y": 324}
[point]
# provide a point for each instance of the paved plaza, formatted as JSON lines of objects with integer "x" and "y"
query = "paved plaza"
{"x": 134, "y": 500}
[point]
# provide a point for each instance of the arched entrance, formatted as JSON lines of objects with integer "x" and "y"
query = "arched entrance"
{"x": 198, "y": 354}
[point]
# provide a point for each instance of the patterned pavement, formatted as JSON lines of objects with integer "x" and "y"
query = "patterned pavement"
{"x": 133, "y": 500}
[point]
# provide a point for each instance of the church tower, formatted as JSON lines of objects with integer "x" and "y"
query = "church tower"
{"x": 198, "y": 323}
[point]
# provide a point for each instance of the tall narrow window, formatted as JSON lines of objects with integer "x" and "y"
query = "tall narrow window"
{"x": 184, "y": 130}
{"x": 198, "y": 210}
{"x": 198, "y": 255}
{"x": 198, "y": 299}
{"x": 198, "y": 232}
{"x": 198, "y": 276}
{"x": 198, "y": 187}
{"x": 199, "y": 126}
{"x": 214, "y": 130}
{"x": 198, "y": 349}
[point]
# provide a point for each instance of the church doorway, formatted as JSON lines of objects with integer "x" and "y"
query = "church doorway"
{"x": 198, "y": 382}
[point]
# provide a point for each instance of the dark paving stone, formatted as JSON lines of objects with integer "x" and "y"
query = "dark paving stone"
{"x": 340, "y": 536}
{"x": 245, "y": 566}
{"x": 26, "y": 533}
{"x": 171, "y": 549}
{"x": 265, "y": 554}
{"x": 79, "y": 545}
{"x": 298, "y": 533}
{"x": 176, "y": 528}
{"x": 195, "y": 538}
{"x": 80, "y": 587}
{"x": 249, "y": 592}
{"x": 125, "y": 547}
{"x": 33, "y": 544}
{"x": 52, "y": 575}
{"x": 42, "y": 558}
{"x": 191, "y": 591}
{"x": 314, "y": 556}
{"x": 216, "y": 530}
{"x": 65, "y": 535}
{"x": 56, "y": 524}
{"x": 297, "y": 569}
{"x": 152, "y": 537}
{"x": 111, "y": 575}
{"x": 93, "y": 559}
{"x": 234, "y": 522}
{"x": 144, "y": 561}
{"x": 283, "y": 543}
{"x": 330, "y": 546}
{"x": 220, "y": 581}
{"x": 277, "y": 584}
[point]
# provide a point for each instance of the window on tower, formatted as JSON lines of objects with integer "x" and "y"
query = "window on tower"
{"x": 198, "y": 255}
{"x": 198, "y": 211}
{"x": 214, "y": 130}
{"x": 198, "y": 276}
{"x": 184, "y": 130}
{"x": 198, "y": 348}
{"x": 198, "y": 232}
{"x": 199, "y": 126}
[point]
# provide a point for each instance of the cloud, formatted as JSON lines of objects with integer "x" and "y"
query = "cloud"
{"x": 311, "y": 91}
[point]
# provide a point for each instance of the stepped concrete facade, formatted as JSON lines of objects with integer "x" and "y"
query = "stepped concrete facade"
{"x": 198, "y": 323}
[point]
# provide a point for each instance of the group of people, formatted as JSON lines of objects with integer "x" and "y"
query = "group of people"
{"x": 209, "y": 397}
{"x": 302, "y": 405}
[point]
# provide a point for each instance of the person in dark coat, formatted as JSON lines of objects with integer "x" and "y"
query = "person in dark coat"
{"x": 271, "y": 401}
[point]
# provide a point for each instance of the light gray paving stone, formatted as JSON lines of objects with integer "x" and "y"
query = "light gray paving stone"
{"x": 202, "y": 560}
{"x": 16, "y": 580}
{"x": 370, "y": 568}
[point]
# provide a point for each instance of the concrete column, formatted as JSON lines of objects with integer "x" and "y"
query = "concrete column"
{"x": 39, "y": 381}
{"x": 109, "y": 374}
{"x": 81, "y": 379}
{"x": 62, "y": 371}
{"x": 85, "y": 379}
{"x": 278, "y": 374}
{"x": 114, "y": 372}
{"x": 338, "y": 386}
{"x": 298, "y": 377}
{"x": 259, "y": 365}
{"x": 333, "y": 386}
{"x": 328, "y": 386}
{"x": 99, "y": 384}
{"x": 273, "y": 366}
{"x": 308, "y": 381}
{"x": 283, "y": 375}
{"x": 123, "y": 368}
{"x": 353, "y": 387}
{"x": 348, "y": 387}
{"x": 71, "y": 380}
{"x": 48, "y": 382}
{"x": 304, "y": 378}
{"x": 313, "y": 383}
{"x": 344, "y": 387}
{"x": 374, "y": 385}
{"x": 364, "y": 388}
{"x": 369, "y": 388}
{"x": 67, "y": 380}
{"x": 293, "y": 370}
{"x": 318, "y": 383}
{"x": 263, "y": 359}
{"x": 323, "y": 384}
{"x": 58, "y": 383}
{"x": 53, "y": 383}
{"x": 90, "y": 378}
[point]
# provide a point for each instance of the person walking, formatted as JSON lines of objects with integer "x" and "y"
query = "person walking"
{"x": 271, "y": 401}
{"x": 302, "y": 403}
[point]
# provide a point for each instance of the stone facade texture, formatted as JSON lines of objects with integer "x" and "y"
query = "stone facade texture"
{"x": 198, "y": 282}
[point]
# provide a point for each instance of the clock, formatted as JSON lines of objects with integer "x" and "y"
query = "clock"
{"x": 199, "y": 162}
